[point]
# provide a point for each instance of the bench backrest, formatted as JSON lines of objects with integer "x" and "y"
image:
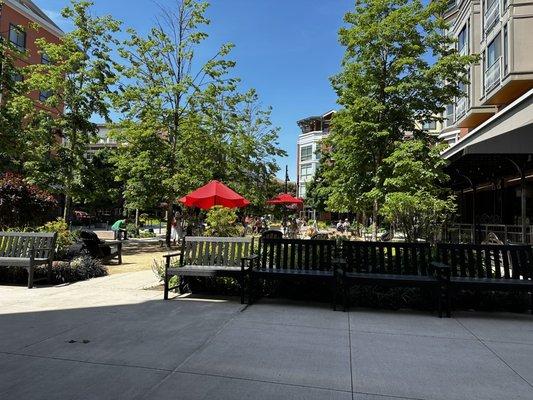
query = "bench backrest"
{"x": 487, "y": 261}
{"x": 299, "y": 254}
{"x": 19, "y": 244}
{"x": 396, "y": 258}
{"x": 216, "y": 251}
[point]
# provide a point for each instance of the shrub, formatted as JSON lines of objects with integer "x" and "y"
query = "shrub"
{"x": 132, "y": 230}
{"x": 23, "y": 204}
{"x": 65, "y": 237}
{"x": 222, "y": 221}
{"x": 85, "y": 267}
{"x": 80, "y": 269}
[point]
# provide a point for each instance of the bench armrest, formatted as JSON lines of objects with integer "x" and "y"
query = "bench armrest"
{"x": 442, "y": 271}
{"x": 170, "y": 255}
{"x": 250, "y": 259}
{"x": 339, "y": 263}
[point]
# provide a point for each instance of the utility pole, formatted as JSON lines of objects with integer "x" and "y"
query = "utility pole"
{"x": 286, "y": 179}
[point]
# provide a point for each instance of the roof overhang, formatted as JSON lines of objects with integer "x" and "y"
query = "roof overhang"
{"x": 508, "y": 132}
{"x": 30, "y": 10}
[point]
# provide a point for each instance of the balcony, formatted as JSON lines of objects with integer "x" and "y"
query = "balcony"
{"x": 492, "y": 15}
{"x": 461, "y": 107}
{"x": 451, "y": 5}
{"x": 493, "y": 75}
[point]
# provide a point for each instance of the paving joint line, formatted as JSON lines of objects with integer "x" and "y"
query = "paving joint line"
{"x": 240, "y": 378}
{"x": 497, "y": 355}
{"x": 414, "y": 335}
{"x": 293, "y": 325}
{"x": 390, "y": 396}
{"x": 85, "y": 361}
{"x": 350, "y": 354}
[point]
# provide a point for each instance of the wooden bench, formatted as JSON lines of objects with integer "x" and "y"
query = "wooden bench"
{"x": 295, "y": 259}
{"x": 211, "y": 257}
{"x": 392, "y": 264}
{"x": 27, "y": 250}
{"x": 487, "y": 267}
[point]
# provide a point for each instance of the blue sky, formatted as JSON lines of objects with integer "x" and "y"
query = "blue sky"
{"x": 287, "y": 50}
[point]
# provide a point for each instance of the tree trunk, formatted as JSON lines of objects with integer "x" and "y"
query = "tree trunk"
{"x": 66, "y": 209}
{"x": 375, "y": 221}
{"x": 169, "y": 224}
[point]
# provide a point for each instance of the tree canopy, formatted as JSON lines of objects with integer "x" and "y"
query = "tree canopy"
{"x": 400, "y": 69}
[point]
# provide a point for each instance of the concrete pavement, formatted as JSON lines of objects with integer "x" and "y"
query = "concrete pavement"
{"x": 112, "y": 338}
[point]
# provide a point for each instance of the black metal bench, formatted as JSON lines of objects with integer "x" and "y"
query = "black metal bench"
{"x": 487, "y": 267}
{"x": 392, "y": 264}
{"x": 295, "y": 259}
{"x": 27, "y": 250}
{"x": 211, "y": 257}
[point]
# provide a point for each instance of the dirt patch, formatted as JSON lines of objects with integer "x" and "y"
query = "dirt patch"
{"x": 137, "y": 256}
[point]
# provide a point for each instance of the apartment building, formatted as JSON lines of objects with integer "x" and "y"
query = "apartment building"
{"x": 22, "y": 22}
{"x": 490, "y": 128}
{"x": 313, "y": 130}
{"x": 103, "y": 141}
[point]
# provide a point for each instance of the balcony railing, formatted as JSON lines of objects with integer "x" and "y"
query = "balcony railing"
{"x": 461, "y": 107}
{"x": 492, "y": 15}
{"x": 493, "y": 75}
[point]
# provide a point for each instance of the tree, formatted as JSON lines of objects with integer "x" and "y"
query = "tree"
{"x": 13, "y": 108}
{"x": 22, "y": 204}
{"x": 75, "y": 84}
{"x": 99, "y": 189}
{"x": 184, "y": 121}
{"x": 240, "y": 143}
{"x": 318, "y": 190}
{"x": 387, "y": 85}
{"x": 156, "y": 100}
{"x": 415, "y": 197}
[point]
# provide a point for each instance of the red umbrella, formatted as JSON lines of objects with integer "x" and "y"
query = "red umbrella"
{"x": 214, "y": 193}
{"x": 285, "y": 199}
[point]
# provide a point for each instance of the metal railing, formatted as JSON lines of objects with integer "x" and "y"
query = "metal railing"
{"x": 461, "y": 106}
{"x": 493, "y": 75}
{"x": 462, "y": 233}
{"x": 492, "y": 15}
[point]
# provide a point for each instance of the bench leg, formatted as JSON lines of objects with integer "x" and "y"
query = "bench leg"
{"x": 30, "y": 276}
{"x": 165, "y": 296}
{"x": 334, "y": 294}
{"x": 252, "y": 289}
{"x": 241, "y": 283}
{"x": 49, "y": 272}
{"x": 345, "y": 295}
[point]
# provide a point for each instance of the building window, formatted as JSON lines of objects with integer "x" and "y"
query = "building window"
{"x": 429, "y": 126}
{"x": 493, "y": 65}
{"x": 449, "y": 115}
{"x": 306, "y": 153}
{"x": 302, "y": 190}
{"x": 44, "y": 95}
{"x": 494, "y": 51}
{"x": 306, "y": 172}
{"x": 462, "y": 41}
{"x": 45, "y": 59}
{"x": 505, "y": 50}
{"x": 17, "y": 36}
